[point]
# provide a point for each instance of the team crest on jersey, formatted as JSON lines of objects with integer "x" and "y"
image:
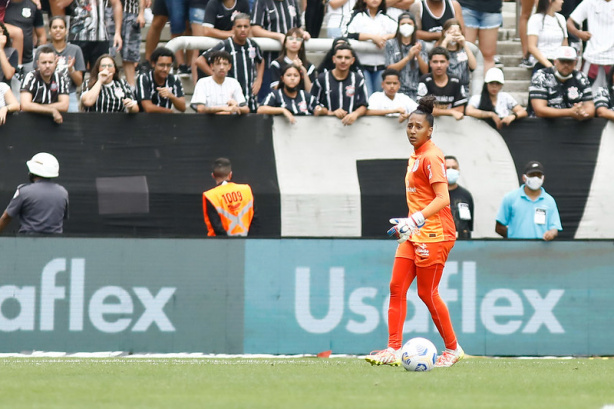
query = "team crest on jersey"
{"x": 292, "y": 11}
{"x": 350, "y": 90}
{"x": 573, "y": 93}
{"x": 53, "y": 86}
{"x": 415, "y": 167}
{"x": 302, "y": 106}
{"x": 26, "y": 12}
{"x": 119, "y": 93}
{"x": 251, "y": 51}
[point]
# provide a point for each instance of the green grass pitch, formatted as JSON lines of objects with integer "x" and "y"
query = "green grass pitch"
{"x": 299, "y": 383}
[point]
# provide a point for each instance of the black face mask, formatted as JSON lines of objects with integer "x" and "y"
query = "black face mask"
{"x": 291, "y": 89}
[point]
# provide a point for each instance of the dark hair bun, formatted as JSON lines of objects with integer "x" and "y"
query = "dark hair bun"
{"x": 426, "y": 104}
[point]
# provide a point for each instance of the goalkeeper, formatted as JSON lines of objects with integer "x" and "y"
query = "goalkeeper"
{"x": 425, "y": 239}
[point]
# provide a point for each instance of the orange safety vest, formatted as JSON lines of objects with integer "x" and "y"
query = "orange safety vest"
{"x": 235, "y": 205}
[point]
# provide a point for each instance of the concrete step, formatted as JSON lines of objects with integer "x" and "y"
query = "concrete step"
{"x": 516, "y": 86}
{"x": 517, "y": 73}
{"x": 509, "y": 47}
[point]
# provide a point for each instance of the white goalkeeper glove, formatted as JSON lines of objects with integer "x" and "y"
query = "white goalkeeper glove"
{"x": 405, "y": 227}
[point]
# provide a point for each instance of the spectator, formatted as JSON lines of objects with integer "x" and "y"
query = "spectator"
{"x": 493, "y": 104}
{"x": 342, "y": 92}
{"x": 599, "y": 52}
{"x": 371, "y": 23}
{"x": 390, "y": 102}
{"x": 447, "y": 90}
{"x": 159, "y": 90}
{"x": 8, "y": 56}
{"x": 219, "y": 94}
{"x": 228, "y": 208}
{"x": 247, "y": 60}
{"x": 220, "y": 16}
{"x": 338, "y": 13}
{"x": 132, "y": 22}
{"x": 70, "y": 63}
{"x": 604, "y": 98}
{"x": 529, "y": 212}
{"x": 394, "y": 8}
{"x": 405, "y": 54}
{"x": 461, "y": 201}
{"x": 44, "y": 91}
{"x": 41, "y": 205}
{"x": 293, "y": 52}
{"x": 561, "y": 91}
{"x": 546, "y": 32}
{"x": 526, "y": 8}
{"x": 25, "y": 15}
{"x": 196, "y": 15}
{"x": 314, "y": 16}
{"x": 482, "y": 21}
{"x": 462, "y": 60}
{"x": 105, "y": 91}
{"x": 290, "y": 98}
{"x": 160, "y": 18}
{"x": 88, "y": 28}
{"x": 327, "y": 63}
{"x": 8, "y": 102}
{"x": 431, "y": 14}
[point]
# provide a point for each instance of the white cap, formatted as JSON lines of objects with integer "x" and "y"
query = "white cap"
{"x": 494, "y": 75}
{"x": 566, "y": 53}
{"x": 44, "y": 165}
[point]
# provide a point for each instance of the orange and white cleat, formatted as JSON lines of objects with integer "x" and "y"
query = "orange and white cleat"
{"x": 386, "y": 356}
{"x": 449, "y": 358}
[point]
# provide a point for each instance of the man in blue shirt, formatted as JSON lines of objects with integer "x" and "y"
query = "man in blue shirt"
{"x": 529, "y": 212}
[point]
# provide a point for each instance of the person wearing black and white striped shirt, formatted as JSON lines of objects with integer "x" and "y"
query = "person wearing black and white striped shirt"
{"x": 158, "y": 90}
{"x": 290, "y": 98}
{"x": 105, "y": 91}
{"x": 45, "y": 91}
{"x": 341, "y": 91}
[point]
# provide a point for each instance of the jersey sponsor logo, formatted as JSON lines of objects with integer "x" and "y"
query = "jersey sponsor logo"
{"x": 410, "y": 189}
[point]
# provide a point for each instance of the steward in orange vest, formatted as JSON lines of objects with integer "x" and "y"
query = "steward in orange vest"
{"x": 228, "y": 208}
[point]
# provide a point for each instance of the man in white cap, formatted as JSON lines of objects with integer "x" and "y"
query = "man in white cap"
{"x": 561, "y": 91}
{"x": 42, "y": 205}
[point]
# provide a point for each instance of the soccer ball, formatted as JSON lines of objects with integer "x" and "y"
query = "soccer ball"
{"x": 418, "y": 355}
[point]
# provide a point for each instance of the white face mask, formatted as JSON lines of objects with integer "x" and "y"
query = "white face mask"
{"x": 406, "y": 30}
{"x": 453, "y": 175}
{"x": 534, "y": 182}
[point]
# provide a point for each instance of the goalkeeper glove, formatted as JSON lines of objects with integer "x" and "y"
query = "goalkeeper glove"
{"x": 405, "y": 227}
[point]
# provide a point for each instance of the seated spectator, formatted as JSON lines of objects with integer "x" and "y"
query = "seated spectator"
{"x": 8, "y": 56}
{"x": 219, "y": 94}
{"x": 371, "y": 23}
{"x": 462, "y": 60}
{"x": 447, "y": 90}
{"x": 342, "y": 92}
{"x": 604, "y": 98}
{"x": 220, "y": 16}
{"x": 461, "y": 200}
{"x": 8, "y": 102}
{"x": 338, "y": 13}
{"x": 405, "y": 53}
{"x": 482, "y": 21}
{"x": 248, "y": 62}
{"x": 290, "y": 98}
{"x": 390, "y": 102}
{"x": 327, "y": 63}
{"x": 44, "y": 91}
{"x": 546, "y": 32}
{"x": 493, "y": 104}
{"x": 432, "y": 14}
{"x": 105, "y": 91}
{"x": 561, "y": 91}
{"x": 158, "y": 90}
{"x": 293, "y": 52}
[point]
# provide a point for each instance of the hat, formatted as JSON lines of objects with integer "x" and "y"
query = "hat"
{"x": 494, "y": 75}
{"x": 533, "y": 166}
{"x": 405, "y": 14}
{"x": 566, "y": 53}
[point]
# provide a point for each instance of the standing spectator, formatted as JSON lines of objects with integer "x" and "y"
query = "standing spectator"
{"x": 431, "y": 14}
{"x": 561, "y": 91}
{"x": 526, "y": 8}
{"x": 390, "y": 102}
{"x": 599, "y": 53}
{"x": 132, "y": 23}
{"x": 293, "y": 52}
{"x": 196, "y": 16}
{"x": 220, "y": 16}
{"x": 404, "y": 53}
{"x": 500, "y": 107}
{"x": 160, "y": 18}
{"x": 105, "y": 91}
{"x": 338, "y": 13}
{"x": 158, "y": 90}
{"x": 314, "y": 16}
{"x": 462, "y": 60}
{"x": 604, "y": 98}
{"x": 228, "y": 208}
{"x": 342, "y": 92}
{"x": 219, "y": 94}
{"x": 247, "y": 60}
{"x": 371, "y": 23}
{"x": 25, "y": 15}
{"x": 461, "y": 201}
{"x": 482, "y": 21}
{"x": 41, "y": 205}
{"x": 529, "y": 212}
{"x": 546, "y": 32}
{"x": 44, "y": 91}
{"x": 8, "y": 102}
{"x": 447, "y": 90}
{"x": 8, "y": 56}
{"x": 70, "y": 62}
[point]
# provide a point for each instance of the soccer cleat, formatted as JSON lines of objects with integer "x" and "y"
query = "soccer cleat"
{"x": 386, "y": 356}
{"x": 449, "y": 358}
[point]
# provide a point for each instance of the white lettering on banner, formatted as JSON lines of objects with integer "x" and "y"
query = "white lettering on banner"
{"x": 495, "y": 305}
{"x": 104, "y": 302}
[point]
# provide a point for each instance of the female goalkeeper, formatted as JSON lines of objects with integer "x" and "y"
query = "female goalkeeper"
{"x": 425, "y": 239}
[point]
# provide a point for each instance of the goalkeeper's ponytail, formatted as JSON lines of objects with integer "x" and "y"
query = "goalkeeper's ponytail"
{"x": 425, "y": 107}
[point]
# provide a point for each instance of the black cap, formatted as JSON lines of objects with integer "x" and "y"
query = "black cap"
{"x": 405, "y": 14}
{"x": 533, "y": 166}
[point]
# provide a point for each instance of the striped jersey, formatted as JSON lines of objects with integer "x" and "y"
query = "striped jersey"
{"x": 43, "y": 92}
{"x": 278, "y": 16}
{"x": 130, "y": 6}
{"x": 599, "y": 16}
{"x": 111, "y": 97}
{"x": 303, "y": 104}
{"x": 349, "y": 94}
{"x": 147, "y": 89}
{"x": 87, "y": 22}
{"x": 278, "y": 65}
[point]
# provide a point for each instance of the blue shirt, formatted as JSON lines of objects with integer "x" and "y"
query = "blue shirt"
{"x": 528, "y": 219}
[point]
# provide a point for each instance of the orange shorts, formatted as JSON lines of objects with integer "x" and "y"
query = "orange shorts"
{"x": 425, "y": 254}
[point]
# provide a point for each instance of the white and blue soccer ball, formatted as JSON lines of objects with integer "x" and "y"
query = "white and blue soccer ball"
{"x": 418, "y": 355}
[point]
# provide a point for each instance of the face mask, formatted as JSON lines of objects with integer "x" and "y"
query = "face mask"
{"x": 534, "y": 182}
{"x": 406, "y": 30}
{"x": 561, "y": 77}
{"x": 291, "y": 89}
{"x": 453, "y": 175}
